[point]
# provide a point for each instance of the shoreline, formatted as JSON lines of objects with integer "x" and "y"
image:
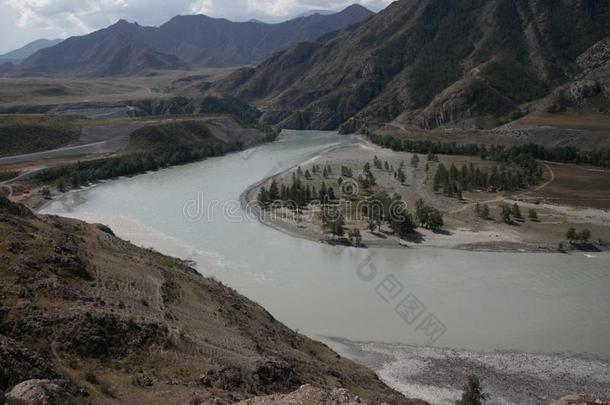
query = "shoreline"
{"x": 249, "y": 196}
{"x": 391, "y": 370}
{"x": 511, "y": 376}
{"x": 458, "y": 239}
{"x": 37, "y": 202}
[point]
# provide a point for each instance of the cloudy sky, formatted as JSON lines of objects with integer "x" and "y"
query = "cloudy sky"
{"x": 22, "y": 21}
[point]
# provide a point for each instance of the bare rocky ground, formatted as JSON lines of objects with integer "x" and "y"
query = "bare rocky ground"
{"x": 309, "y": 395}
{"x": 96, "y": 320}
{"x": 508, "y": 377}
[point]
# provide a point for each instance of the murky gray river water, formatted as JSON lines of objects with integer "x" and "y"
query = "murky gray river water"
{"x": 468, "y": 301}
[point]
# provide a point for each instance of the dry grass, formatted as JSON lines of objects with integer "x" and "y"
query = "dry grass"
{"x": 570, "y": 120}
{"x": 190, "y": 326}
{"x": 32, "y": 133}
{"x": 47, "y": 91}
{"x": 577, "y": 186}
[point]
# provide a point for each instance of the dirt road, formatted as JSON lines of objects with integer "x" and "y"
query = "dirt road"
{"x": 93, "y": 140}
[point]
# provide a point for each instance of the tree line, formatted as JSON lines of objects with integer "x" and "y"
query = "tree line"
{"x": 453, "y": 182}
{"x": 298, "y": 194}
{"x": 379, "y": 209}
{"x": 81, "y": 173}
{"x": 508, "y": 154}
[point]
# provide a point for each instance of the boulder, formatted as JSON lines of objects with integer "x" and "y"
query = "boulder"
{"x": 581, "y": 400}
{"x": 583, "y": 89}
{"x": 38, "y": 392}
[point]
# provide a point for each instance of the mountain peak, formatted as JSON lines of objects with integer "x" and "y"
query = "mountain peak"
{"x": 356, "y": 10}
{"x": 356, "y": 7}
{"x": 351, "y": 10}
{"x": 194, "y": 40}
{"x": 122, "y": 23}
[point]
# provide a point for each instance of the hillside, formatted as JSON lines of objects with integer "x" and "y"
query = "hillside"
{"x": 113, "y": 50}
{"x": 20, "y": 135}
{"x": 195, "y": 134}
{"x": 434, "y": 63}
{"x": 102, "y": 321}
{"x": 20, "y": 54}
{"x": 194, "y": 41}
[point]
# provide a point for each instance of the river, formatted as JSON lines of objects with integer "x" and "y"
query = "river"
{"x": 431, "y": 311}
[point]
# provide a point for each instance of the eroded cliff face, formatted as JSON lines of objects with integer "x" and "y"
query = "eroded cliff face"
{"x": 431, "y": 63}
{"x": 595, "y": 79}
{"x": 93, "y": 319}
{"x": 587, "y": 90}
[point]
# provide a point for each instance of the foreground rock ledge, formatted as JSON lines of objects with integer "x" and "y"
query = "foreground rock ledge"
{"x": 308, "y": 395}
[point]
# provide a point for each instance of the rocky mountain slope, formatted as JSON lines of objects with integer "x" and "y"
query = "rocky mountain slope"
{"x": 195, "y": 40}
{"x": 88, "y": 318}
{"x": 432, "y": 63}
{"x": 20, "y": 54}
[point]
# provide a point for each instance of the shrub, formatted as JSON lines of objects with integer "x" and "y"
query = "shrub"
{"x": 90, "y": 377}
{"x": 106, "y": 389}
{"x": 533, "y": 215}
{"x": 571, "y": 235}
{"x": 473, "y": 393}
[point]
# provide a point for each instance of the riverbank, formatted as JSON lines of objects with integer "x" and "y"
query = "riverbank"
{"x": 101, "y": 320}
{"x": 436, "y": 375}
{"x": 149, "y": 148}
{"x": 464, "y": 230}
{"x": 555, "y": 301}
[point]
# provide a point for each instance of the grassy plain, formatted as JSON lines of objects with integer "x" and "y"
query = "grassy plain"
{"x": 40, "y": 91}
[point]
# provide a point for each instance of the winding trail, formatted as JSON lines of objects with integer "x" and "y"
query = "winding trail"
{"x": 23, "y": 175}
{"x": 552, "y": 179}
{"x": 93, "y": 140}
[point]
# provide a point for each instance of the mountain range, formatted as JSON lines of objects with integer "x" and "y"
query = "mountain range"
{"x": 435, "y": 63}
{"x": 185, "y": 41}
{"x": 25, "y": 51}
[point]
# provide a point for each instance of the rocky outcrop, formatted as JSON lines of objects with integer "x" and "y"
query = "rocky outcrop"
{"x": 583, "y": 89}
{"x": 596, "y": 58}
{"x": 308, "y": 395}
{"x": 591, "y": 87}
{"x": 595, "y": 62}
{"x": 581, "y": 400}
{"x": 18, "y": 364}
{"x": 39, "y": 392}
